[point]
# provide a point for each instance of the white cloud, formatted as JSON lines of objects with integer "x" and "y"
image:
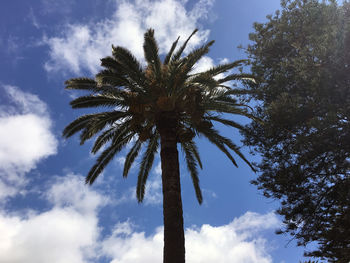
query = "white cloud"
{"x": 68, "y": 232}
{"x": 25, "y": 138}
{"x": 153, "y": 194}
{"x": 205, "y": 63}
{"x": 72, "y": 191}
{"x": 238, "y": 241}
{"x": 81, "y": 46}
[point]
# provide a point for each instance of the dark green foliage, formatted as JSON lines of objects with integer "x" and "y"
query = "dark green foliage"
{"x": 301, "y": 59}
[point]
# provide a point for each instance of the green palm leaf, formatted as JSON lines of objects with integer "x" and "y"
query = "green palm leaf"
{"x": 112, "y": 132}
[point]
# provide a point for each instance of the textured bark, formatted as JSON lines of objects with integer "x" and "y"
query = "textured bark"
{"x": 174, "y": 239}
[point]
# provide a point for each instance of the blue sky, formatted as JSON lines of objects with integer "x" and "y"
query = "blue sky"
{"x": 47, "y": 214}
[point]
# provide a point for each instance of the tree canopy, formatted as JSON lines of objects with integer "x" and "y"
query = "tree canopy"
{"x": 158, "y": 105}
{"x": 301, "y": 59}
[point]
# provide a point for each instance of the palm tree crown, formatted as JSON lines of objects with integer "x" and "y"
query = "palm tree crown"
{"x": 143, "y": 98}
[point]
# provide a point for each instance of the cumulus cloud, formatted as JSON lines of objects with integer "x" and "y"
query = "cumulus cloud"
{"x": 238, "y": 241}
{"x": 25, "y": 137}
{"x": 67, "y": 232}
{"x": 81, "y": 46}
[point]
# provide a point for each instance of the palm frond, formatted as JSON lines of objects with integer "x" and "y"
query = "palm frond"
{"x": 192, "y": 167}
{"x": 191, "y": 146}
{"x": 185, "y": 67}
{"x": 223, "y": 68}
{"x": 150, "y": 48}
{"x": 236, "y": 149}
{"x": 112, "y": 64}
{"x": 211, "y": 135}
{"x": 204, "y": 79}
{"x": 178, "y": 54}
{"x": 170, "y": 53}
{"x": 105, "y": 157}
{"x": 130, "y": 158}
{"x": 81, "y": 84}
{"x": 221, "y": 141}
{"x": 95, "y": 101}
{"x": 131, "y": 66}
{"x": 77, "y": 125}
{"x": 109, "y": 77}
{"x": 146, "y": 165}
{"x": 237, "y": 77}
{"x": 100, "y": 122}
{"x": 211, "y": 105}
{"x": 226, "y": 122}
{"x": 111, "y": 133}
{"x": 194, "y": 56}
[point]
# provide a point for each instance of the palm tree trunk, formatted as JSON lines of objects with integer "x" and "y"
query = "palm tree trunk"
{"x": 174, "y": 239}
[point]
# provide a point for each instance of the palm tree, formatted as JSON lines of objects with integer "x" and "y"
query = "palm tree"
{"x": 156, "y": 106}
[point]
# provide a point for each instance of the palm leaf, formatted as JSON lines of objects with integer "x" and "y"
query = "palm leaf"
{"x": 151, "y": 52}
{"x": 211, "y": 135}
{"x": 178, "y": 54}
{"x": 109, "y": 134}
{"x": 237, "y": 77}
{"x": 134, "y": 151}
{"x": 223, "y": 68}
{"x": 81, "y": 84}
{"x": 170, "y": 53}
{"x": 105, "y": 157}
{"x": 109, "y": 77}
{"x": 186, "y": 67}
{"x": 95, "y": 101}
{"x": 226, "y": 122}
{"x": 191, "y": 146}
{"x": 131, "y": 67}
{"x": 146, "y": 165}
{"x": 79, "y": 124}
{"x": 192, "y": 167}
{"x": 98, "y": 123}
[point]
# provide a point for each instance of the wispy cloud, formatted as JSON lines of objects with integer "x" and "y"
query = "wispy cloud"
{"x": 80, "y": 46}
